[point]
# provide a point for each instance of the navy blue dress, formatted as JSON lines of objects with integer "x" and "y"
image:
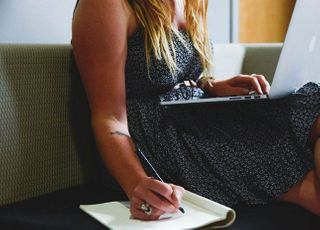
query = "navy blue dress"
{"x": 231, "y": 153}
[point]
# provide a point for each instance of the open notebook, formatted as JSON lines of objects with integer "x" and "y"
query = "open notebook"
{"x": 199, "y": 212}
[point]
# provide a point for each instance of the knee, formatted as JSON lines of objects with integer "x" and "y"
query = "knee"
{"x": 315, "y": 130}
{"x": 305, "y": 193}
{"x": 317, "y": 159}
{"x": 311, "y": 194}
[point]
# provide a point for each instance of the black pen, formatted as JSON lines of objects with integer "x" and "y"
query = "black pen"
{"x": 151, "y": 169}
{"x": 145, "y": 162}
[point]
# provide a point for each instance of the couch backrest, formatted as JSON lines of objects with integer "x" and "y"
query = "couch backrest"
{"x": 46, "y": 139}
{"x": 232, "y": 59}
{"x": 37, "y": 150}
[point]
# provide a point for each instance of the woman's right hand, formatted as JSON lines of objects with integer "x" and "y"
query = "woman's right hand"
{"x": 238, "y": 85}
{"x": 162, "y": 198}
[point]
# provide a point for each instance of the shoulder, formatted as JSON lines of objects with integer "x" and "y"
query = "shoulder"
{"x": 110, "y": 14}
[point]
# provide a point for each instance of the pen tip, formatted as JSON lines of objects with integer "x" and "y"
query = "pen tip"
{"x": 182, "y": 210}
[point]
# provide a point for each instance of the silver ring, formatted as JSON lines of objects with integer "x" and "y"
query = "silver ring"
{"x": 146, "y": 208}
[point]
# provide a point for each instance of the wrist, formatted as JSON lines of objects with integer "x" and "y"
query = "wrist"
{"x": 205, "y": 82}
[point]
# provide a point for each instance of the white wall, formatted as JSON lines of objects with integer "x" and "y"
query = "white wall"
{"x": 223, "y": 18}
{"x": 219, "y": 20}
{"x": 49, "y": 21}
{"x": 36, "y": 21}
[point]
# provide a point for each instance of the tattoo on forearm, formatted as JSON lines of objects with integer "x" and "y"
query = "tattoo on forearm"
{"x": 119, "y": 133}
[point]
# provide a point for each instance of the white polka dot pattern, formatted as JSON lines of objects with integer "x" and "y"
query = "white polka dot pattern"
{"x": 231, "y": 153}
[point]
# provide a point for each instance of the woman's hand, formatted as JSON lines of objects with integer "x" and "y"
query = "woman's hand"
{"x": 160, "y": 197}
{"x": 238, "y": 85}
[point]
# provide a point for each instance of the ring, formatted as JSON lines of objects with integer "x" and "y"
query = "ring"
{"x": 146, "y": 208}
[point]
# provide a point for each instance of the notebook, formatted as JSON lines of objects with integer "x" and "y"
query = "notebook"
{"x": 299, "y": 60}
{"x": 199, "y": 212}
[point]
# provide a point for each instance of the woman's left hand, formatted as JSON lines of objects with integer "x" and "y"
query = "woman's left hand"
{"x": 238, "y": 85}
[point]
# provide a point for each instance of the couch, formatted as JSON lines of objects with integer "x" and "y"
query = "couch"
{"x": 48, "y": 160}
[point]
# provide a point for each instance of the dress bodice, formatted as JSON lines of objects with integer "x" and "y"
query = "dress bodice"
{"x": 159, "y": 80}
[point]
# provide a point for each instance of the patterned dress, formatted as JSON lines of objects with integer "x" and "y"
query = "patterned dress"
{"x": 231, "y": 153}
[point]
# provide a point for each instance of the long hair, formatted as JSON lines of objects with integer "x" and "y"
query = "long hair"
{"x": 155, "y": 16}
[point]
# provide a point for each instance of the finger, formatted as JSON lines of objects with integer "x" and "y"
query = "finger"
{"x": 177, "y": 195}
{"x": 139, "y": 214}
{"x": 157, "y": 193}
{"x": 263, "y": 83}
{"x": 257, "y": 83}
{"x": 136, "y": 208}
{"x": 238, "y": 91}
{"x": 161, "y": 188}
{"x": 249, "y": 81}
{"x": 155, "y": 200}
{"x": 157, "y": 212}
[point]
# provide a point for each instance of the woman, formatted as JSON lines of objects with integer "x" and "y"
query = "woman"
{"x": 131, "y": 55}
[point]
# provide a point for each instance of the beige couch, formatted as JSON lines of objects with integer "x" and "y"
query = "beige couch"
{"x": 42, "y": 146}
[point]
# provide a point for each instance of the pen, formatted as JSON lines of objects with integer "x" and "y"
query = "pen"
{"x": 151, "y": 169}
{"x": 146, "y": 162}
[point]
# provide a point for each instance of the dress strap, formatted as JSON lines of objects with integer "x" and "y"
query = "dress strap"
{"x": 76, "y": 6}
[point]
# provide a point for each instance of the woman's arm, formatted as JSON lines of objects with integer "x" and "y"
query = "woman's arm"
{"x": 99, "y": 40}
{"x": 99, "y": 37}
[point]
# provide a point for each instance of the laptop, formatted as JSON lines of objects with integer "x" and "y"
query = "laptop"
{"x": 299, "y": 62}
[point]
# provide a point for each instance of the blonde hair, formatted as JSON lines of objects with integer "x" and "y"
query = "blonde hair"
{"x": 155, "y": 17}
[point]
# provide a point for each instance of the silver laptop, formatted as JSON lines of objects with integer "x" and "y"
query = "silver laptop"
{"x": 299, "y": 62}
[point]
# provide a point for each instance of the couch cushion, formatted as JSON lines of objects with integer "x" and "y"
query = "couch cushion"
{"x": 57, "y": 210}
{"x": 233, "y": 59}
{"x": 262, "y": 59}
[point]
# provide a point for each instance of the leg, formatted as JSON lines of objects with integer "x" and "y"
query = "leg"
{"x": 315, "y": 130}
{"x": 305, "y": 193}
{"x": 317, "y": 157}
{"x": 315, "y": 138}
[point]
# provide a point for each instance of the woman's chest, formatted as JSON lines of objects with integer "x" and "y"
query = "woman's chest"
{"x": 156, "y": 77}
